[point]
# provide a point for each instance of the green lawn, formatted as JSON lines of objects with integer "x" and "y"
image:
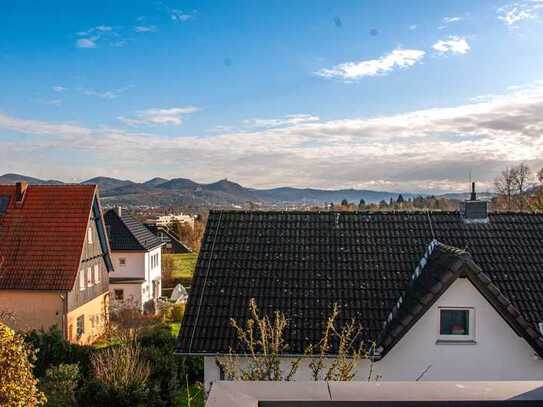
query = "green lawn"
{"x": 174, "y": 328}
{"x": 184, "y": 264}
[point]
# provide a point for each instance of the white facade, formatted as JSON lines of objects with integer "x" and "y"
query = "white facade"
{"x": 143, "y": 265}
{"x": 496, "y": 352}
{"x": 166, "y": 220}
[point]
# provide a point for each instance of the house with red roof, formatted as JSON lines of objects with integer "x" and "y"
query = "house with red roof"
{"x": 54, "y": 259}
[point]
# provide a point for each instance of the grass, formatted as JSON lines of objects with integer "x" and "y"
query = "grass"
{"x": 174, "y": 328}
{"x": 184, "y": 265}
{"x": 196, "y": 397}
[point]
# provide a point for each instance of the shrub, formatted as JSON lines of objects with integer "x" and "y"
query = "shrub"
{"x": 191, "y": 369}
{"x": 53, "y": 349}
{"x": 177, "y": 312}
{"x": 60, "y": 384}
{"x": 18, "y": 387}
{"x": 95, "y": 394}
{"x": 120, "y": 366}
{"x": 163, "y": 381}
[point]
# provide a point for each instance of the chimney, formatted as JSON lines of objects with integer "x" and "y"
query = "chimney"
{"x": 119, "y": 211}
{"x": 473, "y": 210}
{"x": 20, "y": 189}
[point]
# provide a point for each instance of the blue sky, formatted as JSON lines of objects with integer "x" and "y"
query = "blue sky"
{"x": 387, "y": 95}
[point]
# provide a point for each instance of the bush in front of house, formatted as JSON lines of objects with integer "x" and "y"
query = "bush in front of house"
{"x": 52, "y": 349}
{"x": 60, "y": 384}
{"x": 177, "y": 312}
{"x": 18, "y": 386}
{"x": 120, "y": 376}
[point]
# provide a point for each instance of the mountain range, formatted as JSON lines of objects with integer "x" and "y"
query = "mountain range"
{"x": 223, "y": 193}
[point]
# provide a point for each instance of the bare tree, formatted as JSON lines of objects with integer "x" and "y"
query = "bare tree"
{"x": 505, "y": 185}
{"x": 540, "y": 176}
{"x": 521, "y": 174}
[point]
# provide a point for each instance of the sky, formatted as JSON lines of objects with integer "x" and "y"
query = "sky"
{"x": 411, "y": 96}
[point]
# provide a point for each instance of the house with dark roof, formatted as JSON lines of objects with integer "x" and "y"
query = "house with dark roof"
{"x": 443, "y": 295}
{"x": 136, "y": 254}
{"x": 172, "y": 245}
{"x": 54, "y": 259}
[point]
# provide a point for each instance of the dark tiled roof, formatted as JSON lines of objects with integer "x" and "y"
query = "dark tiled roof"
{"x": 126, "y": 233}
{"x": 41, "y": 240}
{"x": 303, "y": 262}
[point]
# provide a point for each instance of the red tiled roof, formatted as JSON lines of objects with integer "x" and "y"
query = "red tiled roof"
{"x": 41, "y": 241}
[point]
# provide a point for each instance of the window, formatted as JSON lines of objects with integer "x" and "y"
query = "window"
{"x": 82, "y": 278}
{"x": 89, "y": 235}
{"x": 96, "y": 274}
{"x": 80, "y": 326}
{"x": 456, "y": 324}
{"x": 89, "y": 277}
{"x": 122, "y": 261}
{"x": 118, "y": 294}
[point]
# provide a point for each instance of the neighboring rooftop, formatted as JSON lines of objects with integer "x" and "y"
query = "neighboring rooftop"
{"x": 42, "y": 234}
{"x": 301, "y": 263}
{"x": 127, "y": 233}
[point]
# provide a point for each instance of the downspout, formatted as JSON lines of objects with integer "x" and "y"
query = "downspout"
{"x": 64, "y": 319}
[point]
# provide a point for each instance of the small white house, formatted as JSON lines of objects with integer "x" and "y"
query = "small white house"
{"x": 443, "y": 296}
{"x": 136, "y": 255}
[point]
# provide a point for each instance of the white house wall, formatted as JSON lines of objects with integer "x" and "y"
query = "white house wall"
{"x": 497, "y": 354}
{"x": 135, "y": 266}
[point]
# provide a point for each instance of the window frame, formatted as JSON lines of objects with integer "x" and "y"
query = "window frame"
{"x": 116, "y": 291}
{"x": 80, "y": 326}
{"x": 82, "y": 279}
{"x": 90, "y": 277}
{"x": 470, "y": 337}
{"x": 96, "y": 270}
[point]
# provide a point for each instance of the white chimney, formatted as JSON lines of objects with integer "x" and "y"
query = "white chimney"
{"x": 119, "y": 211}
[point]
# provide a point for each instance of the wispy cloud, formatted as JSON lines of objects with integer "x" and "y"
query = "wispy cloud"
{"x": 448, "y": 20}
{"x": 107, "y": 94}
{"x": 413, "y": 27}
{"x": 452, "y": 45}
{"x": 145, "y": 28}
{"x": 59, "y": 88}
{"x": 424, "y": 150}
{"x": 159, "y": 117}
{"x": 287, "y": 120}
{"x": 398, "y": 59}
{"x": 95, "y": 35}
{"x": 514, "y": 13}
{"x": 180, "y": 15}
{"x": 86, "y": 42}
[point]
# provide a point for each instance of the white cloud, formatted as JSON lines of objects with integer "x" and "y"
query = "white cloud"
{"x": 448, "y": 20}
{"x": 453, "y": 45}
{"x": 514, "y": 13}
{"x": 425, "y": 150}
{"x": 59, "y": 88}
{"x": 108, "y": 94}
{"x": 413, "y": 27}
{"x": 398, "y": 59}
{"x": 102, "y": 33}
{"x": 86, "y": 42}
{"x": 145, "y": 28}
{"x": 179, "y": 15}
{"x": 287, "y": 120}
{"x": 160, "y": 117}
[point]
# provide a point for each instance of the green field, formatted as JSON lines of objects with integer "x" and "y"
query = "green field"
{"x": 184, "y": 265}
